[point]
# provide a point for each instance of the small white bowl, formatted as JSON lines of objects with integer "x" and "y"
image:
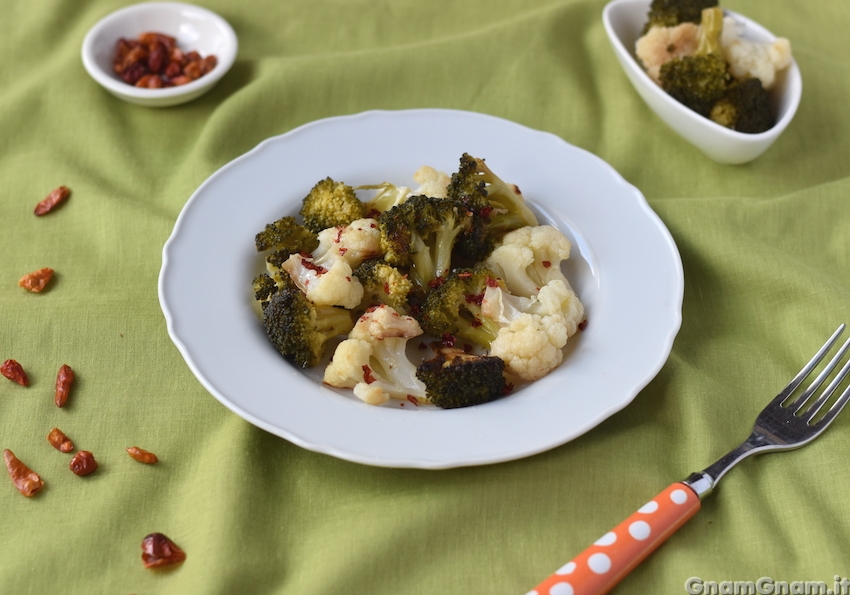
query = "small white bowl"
{"x": 624, "y": 20}
{"x": 195, "y": 28}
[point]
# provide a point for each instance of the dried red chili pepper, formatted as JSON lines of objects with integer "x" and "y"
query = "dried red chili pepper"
{"x": 141, "y": 455}
{"x": 52, "y": 201}
{"x": 25, "y": 479}
{"x": 37, "y": 280}
{"x": 14, "y": 372}
{"x": 64, "y": 379}
{"x": 154, "y": 61}
{"x": 158, "y": 551}
{"x": 60, "y": 441}
{"x": 83, "y": 463}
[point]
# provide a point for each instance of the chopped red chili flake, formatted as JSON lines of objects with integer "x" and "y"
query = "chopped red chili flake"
{"x": 309, "y": 264}
{"x": 582, "y": 325}
{"x": 342, "y": 251}
{"x": 491, "y": 282}
{"x": 509, "y": 388}
{"x": 464, "y": 275}
{"x": 448, "y": 340}
{"x": 367, "y": 375}
{"x": 474, "y": 299}
{"x": 435, "y": 283}
{"x": 413, "y": 400}
{"x": 475, "y": 323}
{"x": 467, "y": 348}
{"x": 387, "y": 288}
{"x": 485, "y": 212}
{"x": 422, "y": 345}
{"x": 339, "y": 230}
{"x": 415, "y": 310}
{"x": 546, "y": 264}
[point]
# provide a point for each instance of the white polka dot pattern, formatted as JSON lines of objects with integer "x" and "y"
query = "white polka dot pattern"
{"x": 599, "y": 563}
{"x": 561, "y": 589}
{"x": 607, "y": 539}
{"x": 603, "y": 564}
{"x": 640, "y": 530}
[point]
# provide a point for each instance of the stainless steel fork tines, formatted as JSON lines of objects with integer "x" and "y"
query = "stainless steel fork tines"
{"x": 790, "y": 420}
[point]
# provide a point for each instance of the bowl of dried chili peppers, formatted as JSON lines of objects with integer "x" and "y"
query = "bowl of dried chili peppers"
{"x": 159, "y": 54}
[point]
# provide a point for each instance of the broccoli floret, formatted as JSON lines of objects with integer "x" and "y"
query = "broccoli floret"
{"x": 286, "y": 235}
{"x": 454, "y": 378}
{"x": 454, "y": 307}
{"x": 700, "y": 80}
{"x": 383, "y": 284}
{"x": 669, "y": 13}
{"x": 330, "y": 204}
{"x": 421, "y": 233}
{"x": 745, "y": 108}
{"x": 298, "y": 328}
{"x": 264, "y": 288}
{"x": 498, "y": 207}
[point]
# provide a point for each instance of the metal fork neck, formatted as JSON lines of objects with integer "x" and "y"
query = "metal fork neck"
{"x": 703, "y": 482}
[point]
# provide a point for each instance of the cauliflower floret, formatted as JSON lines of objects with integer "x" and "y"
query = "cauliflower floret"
{"x": 335, "y": 285}
{"x": 753, "y": 59}
{"x": 432, "y": 183}
{"x": 662, "y": 44}
{"x": 553, "y": 299}
{"x": 529, "y": 257}
{"x": 358, "y": 241}
{"x": 373, "y": 359}
{"x": 531, "y": 345}
{"x": 533, "y": 330}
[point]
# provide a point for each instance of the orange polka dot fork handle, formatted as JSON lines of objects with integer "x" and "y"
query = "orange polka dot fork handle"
{"x": 789, "y": 421}
{"x": 601, "y": 566}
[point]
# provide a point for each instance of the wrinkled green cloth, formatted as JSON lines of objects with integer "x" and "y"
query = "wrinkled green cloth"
{"x": 766, "y": 254}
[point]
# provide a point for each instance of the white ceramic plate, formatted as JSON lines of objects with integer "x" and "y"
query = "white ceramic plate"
{"x": 625, "y": 268}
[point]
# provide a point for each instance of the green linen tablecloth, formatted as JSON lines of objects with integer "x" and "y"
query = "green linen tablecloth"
{"x": 766, "y": 254}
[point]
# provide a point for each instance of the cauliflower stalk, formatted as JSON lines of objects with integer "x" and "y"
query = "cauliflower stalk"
{"x": 373, "y": 359}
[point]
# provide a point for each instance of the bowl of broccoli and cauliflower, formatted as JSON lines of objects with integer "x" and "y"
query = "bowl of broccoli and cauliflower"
{"x": 449, "y": 294}
{"x": 720, "y": 80}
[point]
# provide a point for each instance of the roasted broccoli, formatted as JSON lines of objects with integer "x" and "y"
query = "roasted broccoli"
{"x": 329, "y": 204}
{"x": 745, "y": 107}
{"x": 497, "y": 207}
{"x": 421, "y": 233}
{"x": 383, "y": 284}
{"x": 669, "y": 13}
{"x": 284, "y": 237}
{"x": 454, "y": 307}
{"x": 373, "y": 359}
{"x": 700, "y": 80}
{"x": 298, "y": 328}
{"x": 455, "y": 378}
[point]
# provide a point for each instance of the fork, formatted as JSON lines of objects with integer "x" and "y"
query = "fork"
{"x": 786, "y": 423}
